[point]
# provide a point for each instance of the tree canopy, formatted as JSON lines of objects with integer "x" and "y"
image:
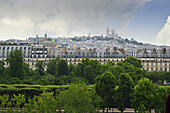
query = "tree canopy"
{"x": 105, "y": 87}
{"x": 16, "y": 64}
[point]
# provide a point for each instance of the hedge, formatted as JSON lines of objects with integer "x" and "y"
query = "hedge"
{"x": 29, "y": 90}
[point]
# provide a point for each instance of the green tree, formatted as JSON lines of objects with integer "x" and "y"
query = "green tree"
{"x": 102, "y": 69}
{"x": 164, "y": 75}
{"x": 154, "y": 76}
{"x": 63, "y": 68}
{"x": 122, "y": 95}
{"x": 16, "y": 64}
{"x": 117, "y": 71}
{"x": 27, "y": 69}
{"x": 105, "y": 87}
{"x": 52, "y": 66}
{"x": 71, "y": 68}
{"x": 160, "y": 100}
{"x": 134, "y": 72}
{"x": 110, "y": 65}
{"x": 89, "y": 74}
{"x": 143, "y": 94}
{"x": 78, "y": 99}
{"x": 2, "y": 68}
{"x": 134, "y": 61}
{"x": 40, "y": 66}
{"x": 45, "y": 103}
{"x": 79, "y": 70}
{"x": 64, "y": 80}
{"x": 96, "y": 66}
{"x": 47, "y": 80}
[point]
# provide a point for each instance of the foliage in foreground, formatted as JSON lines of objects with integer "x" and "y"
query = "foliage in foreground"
{"x": 77, "y": 99}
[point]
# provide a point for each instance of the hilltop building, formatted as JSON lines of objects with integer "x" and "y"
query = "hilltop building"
{"x": 74, "y": 49}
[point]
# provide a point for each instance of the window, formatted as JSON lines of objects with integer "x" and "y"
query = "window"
{"x": 151, "y": 63}
{"x": 147, "y": 63}
{"x": 156, "y": 69}
{"x": 147, "y": 69}
{"x": 160, "y": 69}
{"x": 160, "y": 63}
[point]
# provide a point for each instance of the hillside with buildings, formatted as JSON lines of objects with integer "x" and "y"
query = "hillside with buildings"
{"x": 111, "y": 47}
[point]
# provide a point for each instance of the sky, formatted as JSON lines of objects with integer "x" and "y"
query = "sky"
{"x": 143, "y": 20}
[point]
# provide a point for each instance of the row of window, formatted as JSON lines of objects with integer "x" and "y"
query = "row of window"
{"x": 116, "y": 60}
{"x": 13, "y": 48}
{"x": 156, "y": 69}
{"x": 157, "y": 60}
{"x": 155, "y": 64}
{"x": 144, "y": 62}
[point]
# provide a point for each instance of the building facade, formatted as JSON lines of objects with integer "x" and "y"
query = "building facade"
{"x": 151, "y": 59}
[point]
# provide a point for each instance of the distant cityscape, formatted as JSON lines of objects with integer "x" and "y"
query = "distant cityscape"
{"x": 110, "y": 40}
{"x": 110, "y": 47}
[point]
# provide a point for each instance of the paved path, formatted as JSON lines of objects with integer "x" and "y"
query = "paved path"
{"x": 115, "y": 110}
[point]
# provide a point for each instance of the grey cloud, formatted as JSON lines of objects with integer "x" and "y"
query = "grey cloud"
{"x": 65, "y": 17}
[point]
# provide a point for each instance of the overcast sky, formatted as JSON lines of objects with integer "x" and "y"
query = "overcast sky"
{"x": 144, "y": 20}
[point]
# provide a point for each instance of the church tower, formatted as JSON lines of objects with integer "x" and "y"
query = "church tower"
{"x": 107, "y": 32}
{"x": 113, "y": 32}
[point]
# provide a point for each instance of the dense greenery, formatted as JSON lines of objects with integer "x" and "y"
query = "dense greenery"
{"x": 58, "y": 72}
{"x": 77, "y": 99}
{"x": 105, "y": 87}
{"x": 120, "y": 85}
